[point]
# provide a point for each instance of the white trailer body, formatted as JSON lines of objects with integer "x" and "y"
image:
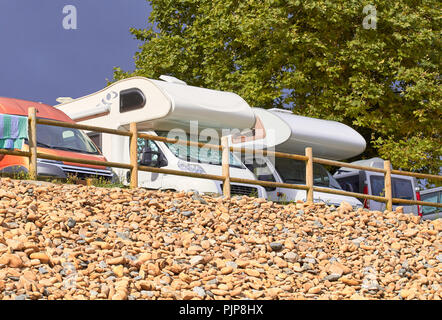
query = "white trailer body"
{"x": 281, "y": 130}
{"x": 159, "y": 107}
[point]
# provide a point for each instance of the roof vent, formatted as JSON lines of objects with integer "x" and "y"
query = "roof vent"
{"x": 172, "y": 80}
{"x": 64, "y": 99}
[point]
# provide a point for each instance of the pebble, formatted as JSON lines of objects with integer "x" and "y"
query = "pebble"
{"x": 276, "y": 246}
{"x": 187, "y": 213}
{"x": 71, "y": 223}
{"x": 78, "y": 242}
{"x": 291, "y": 257}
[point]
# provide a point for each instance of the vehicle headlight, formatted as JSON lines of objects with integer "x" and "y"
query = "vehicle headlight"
{"x": 195, "y": 168}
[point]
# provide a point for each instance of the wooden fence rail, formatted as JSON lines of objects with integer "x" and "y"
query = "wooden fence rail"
{"x": 134, "y": 167}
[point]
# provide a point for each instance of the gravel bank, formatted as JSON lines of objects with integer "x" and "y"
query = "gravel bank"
{"x": 77, "y": 242}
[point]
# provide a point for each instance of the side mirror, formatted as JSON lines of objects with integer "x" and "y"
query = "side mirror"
{"x": 162, "y": 161}
{"x": 146, "y": 157}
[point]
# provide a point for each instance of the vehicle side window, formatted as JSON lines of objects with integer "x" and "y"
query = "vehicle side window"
{"x": 320, "y": 176}
{"x": 402, "y": 189}
{"x": 430, "y": 197}
{"x": 350, "y": 183}
{"x": 96, "y": 138}
{"x": 377, "y": 185}
{"x": 143, "y": 144}
{"x": 261, "y": 170}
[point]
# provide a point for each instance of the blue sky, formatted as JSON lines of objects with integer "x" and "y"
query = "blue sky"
{"x": 41, "y": 61}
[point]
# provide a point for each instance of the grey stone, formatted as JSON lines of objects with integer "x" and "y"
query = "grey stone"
{"x": 231, "y": 264}
{"x": 306, "y": 267}
{"x": 187, "y": 213}
{"x": 123, "y": 235}
{"x": 200, "y": 291}
{"x": 21, "y": 297}
{"x": 71, "y": 223}
{"x": 43, "y": 270}
{"x": 197, "y": 197}
{"x": 276, "y": 246}
{"x": 209, "y": 293}
{"x": 332, "y": 277}
{"x": 318, "y": 224}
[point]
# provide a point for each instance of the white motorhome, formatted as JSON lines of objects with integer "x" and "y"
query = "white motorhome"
{"x": 283, "y": 131}
{"x": 173, "y": 109}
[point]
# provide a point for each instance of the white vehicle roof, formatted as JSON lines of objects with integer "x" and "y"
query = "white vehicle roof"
{"x": 328, "y": 139}
{"x": 422, "y": 192}
{"x": 290, "y": 133}
{"x": 168, "y": 105}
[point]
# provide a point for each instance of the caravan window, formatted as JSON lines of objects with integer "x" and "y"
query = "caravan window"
{"x": 131, "y": 99}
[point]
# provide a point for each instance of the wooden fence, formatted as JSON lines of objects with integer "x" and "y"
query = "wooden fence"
{"x": 134, "y": 167}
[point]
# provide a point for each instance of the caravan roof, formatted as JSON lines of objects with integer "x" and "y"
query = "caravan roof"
{"x": 163, "y": 106}
{"x": 329, "y": 139}
{"x": 287, "y": 132}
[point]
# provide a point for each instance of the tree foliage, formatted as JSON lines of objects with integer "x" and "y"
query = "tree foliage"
{"x": 314, "y": 56}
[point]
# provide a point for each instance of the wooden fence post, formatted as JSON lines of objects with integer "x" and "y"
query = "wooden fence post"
{"x": 225, "y": 166}
{"x": 134, "y": 156}
{"x": 387, "y": 184}
{"x": 32, "y": 138}
{"x": 309, "y": 174}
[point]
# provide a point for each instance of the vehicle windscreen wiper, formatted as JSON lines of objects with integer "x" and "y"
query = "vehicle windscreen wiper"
{"x": 44, "y": 145}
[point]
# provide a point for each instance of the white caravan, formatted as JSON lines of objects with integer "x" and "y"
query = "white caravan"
{"x": 168, "y": 108}
{"x": 283, "y": 131}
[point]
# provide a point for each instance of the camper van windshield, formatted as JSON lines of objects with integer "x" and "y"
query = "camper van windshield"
{"x": 198, "y": 154}
{"x": 293, "y": 171}
{"x": 64, "y": 139}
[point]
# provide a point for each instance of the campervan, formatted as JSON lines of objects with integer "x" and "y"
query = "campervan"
{"x": 282, "y": 131}
{"x": 372, "y": 183}
{"x": 168, "y": 108}
{"x": 64, "y": 142}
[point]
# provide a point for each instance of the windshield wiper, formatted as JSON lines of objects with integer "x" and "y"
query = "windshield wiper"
{"x": 41, "y": 144}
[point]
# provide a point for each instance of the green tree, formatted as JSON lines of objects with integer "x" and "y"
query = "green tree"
{"x": 314, "y": 56}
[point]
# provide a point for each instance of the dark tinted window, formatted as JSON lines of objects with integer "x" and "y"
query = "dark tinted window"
{"x": 293, "y": 171}
{"x": 401, "y": 188}
{"x": 377, "y": 186}
{"x": 131, "y": 99}
{"x": 350, "y": 183}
